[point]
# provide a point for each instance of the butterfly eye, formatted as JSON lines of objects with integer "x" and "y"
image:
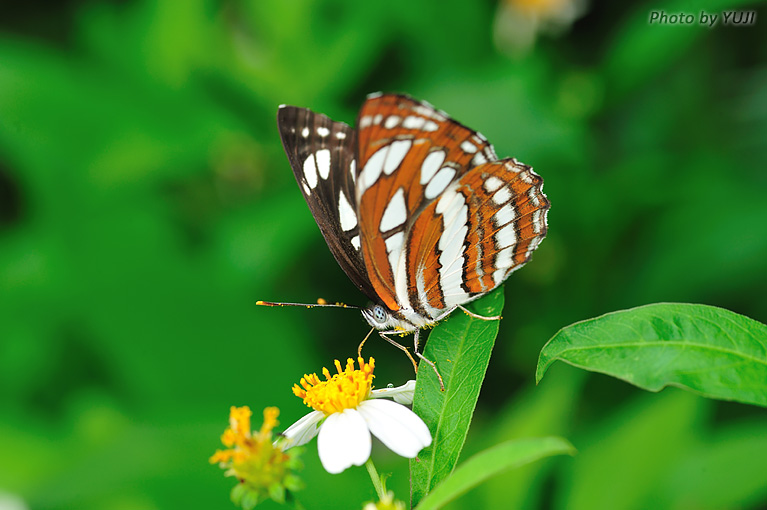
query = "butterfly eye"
{"x": 379, "y": 314}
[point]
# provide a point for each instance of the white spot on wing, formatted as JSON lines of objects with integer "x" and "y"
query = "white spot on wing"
{"x": 478, "y": 159}
{"x": 397, "y": 263}
{"x": 323, "y": 162}
{"x": 377, "y": 119}
{"x": 430, "y": 126}
{"x": 423, "y": 298}
{"x": 451, "y": 245}
{"x": 533, "y": 245}
{"x": 413, "y": 122}
{"x": 395, "y": 213}
{"x": 341, "y": 135}
{"x": 323, "y": 131}
{"x": 499, "y": 275}
{"x": 506, "y": 237}
{"x": 346, "y": 213}
{"x": 355, "y": 242}
{"x": 504, "y": 258}
{"x": 394, "y": 242}
{"x": 440, "y": 181}
{"x": 502, "y": 196}
{"x": 392, "y": 121}
{"x": 537, "y": 221}
{"x": 426, "y": 111}
{"x": 372, "y": 169}
{"x": 446, "y": 200}
{"x": 310, "y": 171}
{"x": 431, "y": 164}
{"x": 468, "y": 147}
{"x": 492, "y": 184}
{"x": 353, "y": 170}
{"x": 505, "y": 215}
{"x": 305, "y": 132}
{"x": 397, "y": 153}
{"x": 365, "y": 121}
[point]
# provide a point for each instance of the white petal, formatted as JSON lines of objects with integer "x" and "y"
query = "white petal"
{"x": 399, "y": 428}
{"x": 302, "y": 431}
{"x": 401, "y": 394}
{"x": 344, "y": 441}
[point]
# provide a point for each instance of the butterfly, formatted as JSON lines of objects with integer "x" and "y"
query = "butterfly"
{"x": 416, "y": 208}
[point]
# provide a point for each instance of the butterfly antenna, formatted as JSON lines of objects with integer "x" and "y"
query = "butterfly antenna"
{"x": 320, "y": 303}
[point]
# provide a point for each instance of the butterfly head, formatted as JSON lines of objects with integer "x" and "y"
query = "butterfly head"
{"x": 381, "y": 318}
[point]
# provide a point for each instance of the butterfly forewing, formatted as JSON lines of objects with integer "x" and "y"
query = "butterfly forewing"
{"x": 409, "y": 153}
{"x": 322, "y": 155}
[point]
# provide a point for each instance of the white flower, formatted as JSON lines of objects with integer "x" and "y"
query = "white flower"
{"x": 401, "y": 394}
{"x": 347, "y": 411}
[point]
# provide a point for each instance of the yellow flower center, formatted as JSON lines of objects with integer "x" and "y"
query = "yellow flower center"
{"x": 344, "y": 390}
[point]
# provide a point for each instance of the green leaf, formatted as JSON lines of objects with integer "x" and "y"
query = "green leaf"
{"x": 709, "y": 350}
{"x": 461, "y": 348}
{"x": 492, "y": 461}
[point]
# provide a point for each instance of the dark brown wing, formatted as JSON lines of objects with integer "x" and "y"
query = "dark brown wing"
{"x": 322, "y": 154}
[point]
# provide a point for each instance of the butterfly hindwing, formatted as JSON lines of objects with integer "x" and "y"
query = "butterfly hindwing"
{"x": 322, "y": 154}
{"x": 481, "y": 229}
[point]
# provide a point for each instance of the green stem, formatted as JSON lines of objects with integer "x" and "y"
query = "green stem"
{"x": 376, "y": 479}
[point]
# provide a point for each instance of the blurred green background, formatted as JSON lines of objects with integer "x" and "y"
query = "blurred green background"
{"x": 146, "y": 204}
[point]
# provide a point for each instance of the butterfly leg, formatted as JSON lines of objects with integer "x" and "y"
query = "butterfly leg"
{"x": 434, "y": 367}
{"x": 416, "y": 337}
{"x": 359, "y": 349}
{"x": 429, "y": 362}
{"x": 399, "y": 346}
{"x": 477, "y": 316}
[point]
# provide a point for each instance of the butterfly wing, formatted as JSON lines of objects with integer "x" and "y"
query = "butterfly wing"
{"x": 322, "y": 155}
{"x": 409, "y": 153}
{"x": 428, "y": 238}
{"x": 467, "y": 242}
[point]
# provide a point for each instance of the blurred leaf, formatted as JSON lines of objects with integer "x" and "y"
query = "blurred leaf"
{"x": 641, "y": 50}
{"x": 709, "y": 350}
{"x": 623, "y": 459}
{"x": 737, "y": 249}
{"x": 492, "y": 461}
{"x": 727, "y": 471}
{"x": 461, "y": 348}
{"x": 491, "y": 99}
{"x": 541, "y": 410}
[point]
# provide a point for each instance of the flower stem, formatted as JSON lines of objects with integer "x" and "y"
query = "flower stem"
{"x": 378, "y": 483}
